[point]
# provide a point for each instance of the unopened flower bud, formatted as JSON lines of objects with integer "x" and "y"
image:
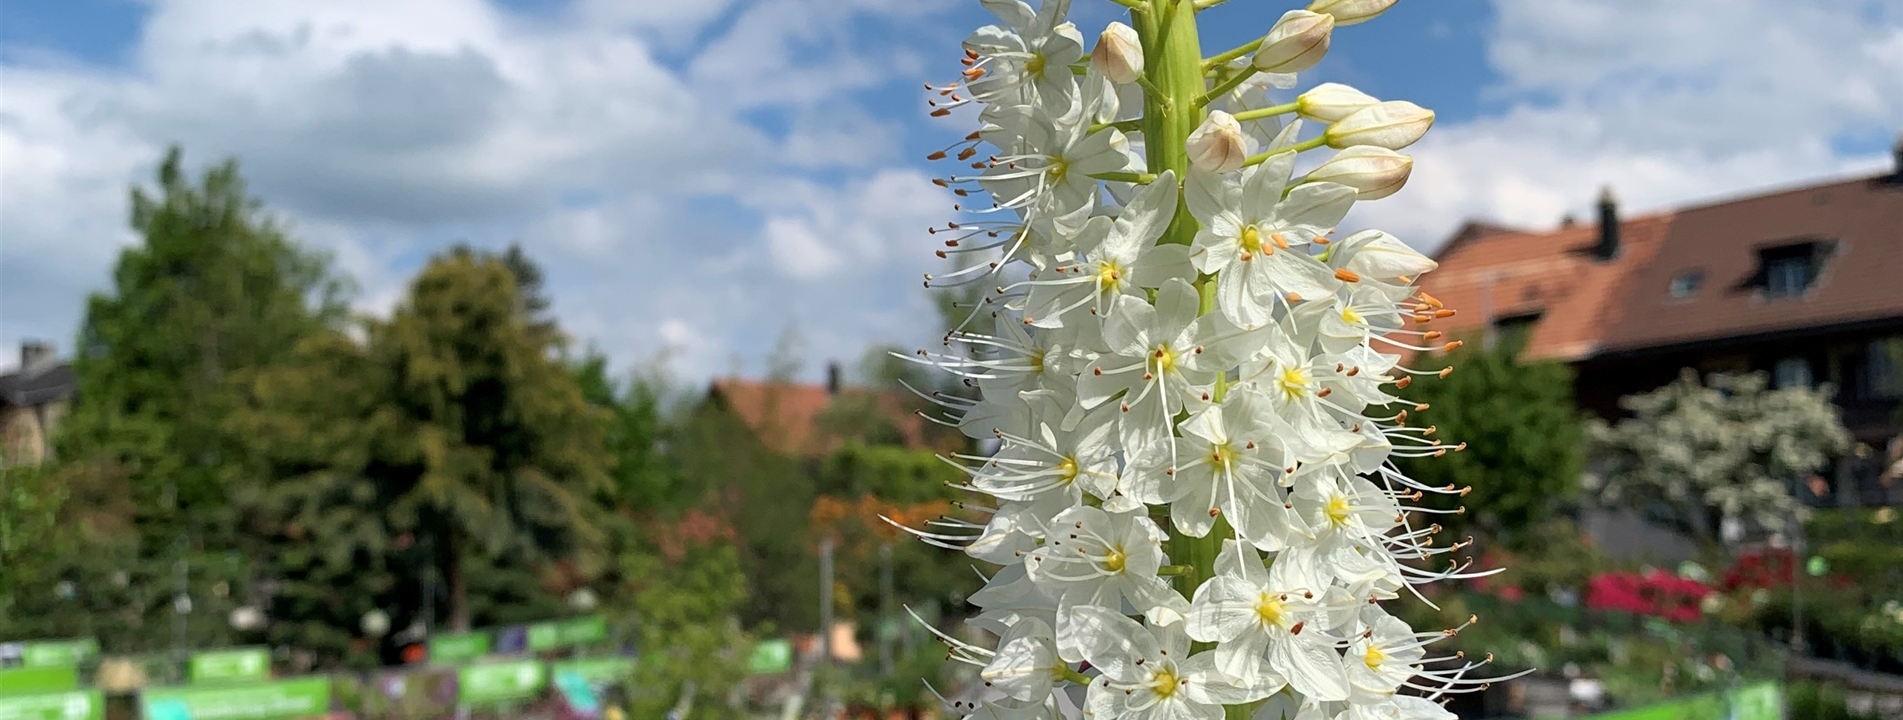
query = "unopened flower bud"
{"x": 1374, "y": 172}
{"x": 1296, "y": 43}
{"x": 1217, "y": 145}
{"x": 1349, "y": 12}
{"x": 1394, "y": 124}
{"x": 1119, "y": 54}
{"x": 1375, "y": 254}
{"x": 1329, "y": 102}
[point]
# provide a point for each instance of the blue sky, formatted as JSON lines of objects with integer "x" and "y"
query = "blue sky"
{"x": 699, "y": 176}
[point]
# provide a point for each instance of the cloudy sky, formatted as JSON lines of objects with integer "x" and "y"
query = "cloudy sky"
{"x": 699, "y": 175}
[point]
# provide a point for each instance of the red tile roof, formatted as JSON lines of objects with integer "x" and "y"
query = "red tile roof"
{"x": 787, "y": 416}
{"x": 1588, "y": 306}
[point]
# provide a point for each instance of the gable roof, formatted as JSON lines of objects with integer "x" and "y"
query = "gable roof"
{"x": 786, "y": 416}
{"x": 1588, "y": 307}
{"x": 1862, "y": 219}
{"x": 1507, "y": 273}
{"x": 33, "y": 386}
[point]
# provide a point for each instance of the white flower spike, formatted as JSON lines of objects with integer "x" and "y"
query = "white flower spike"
{"x": 1197, "y": 387}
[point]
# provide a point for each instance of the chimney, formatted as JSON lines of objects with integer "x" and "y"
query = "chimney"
{"x": 832, "y": 378}
{"x": 1896, "y": 158}
{"x": 35, "y": 353}
{"x": 1608, "y": 246}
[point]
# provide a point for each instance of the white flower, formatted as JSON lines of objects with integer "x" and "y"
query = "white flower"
{"x": 1053, "y": 458}
{"x": 1025, "y": 665}
{"x": 1147, "y": 672}
{"x": 1383, "y": 655}
{"x": 1119, "y": 54}
{"x": 1258, "y": 615}
{"x": 1345, "y": 510}
{"x": 1217, "y": 146}
{"x": 1329, "y": 102}
{"x": 1296, "y": 43}
{"x": 1394, "y": 124}
{"x": 1029, "y": 58}
{"x": 1350, "y": 12}
{"x": 1114, "y": 258}
{"x": 1374, "y": 172}
{"x": 1232, "y": 464}
{"x": 1091, "y": 557}
{"x": 1163, "y": 360}
{"x": 1256, "y": 241}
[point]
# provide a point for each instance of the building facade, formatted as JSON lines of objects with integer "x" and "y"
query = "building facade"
{"x": 33, "y": 400}
{"x": 1803, "y": 284}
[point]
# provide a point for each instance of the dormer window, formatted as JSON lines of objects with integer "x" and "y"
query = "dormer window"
{"x": 1791, "y": 269}
{"x": 1685, "y": 284}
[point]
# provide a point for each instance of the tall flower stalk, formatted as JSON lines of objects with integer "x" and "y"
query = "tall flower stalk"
{"x": 1196, "y": 388}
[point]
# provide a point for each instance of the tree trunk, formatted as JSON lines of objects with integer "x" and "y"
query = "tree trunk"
{"x": 458, "y": 580}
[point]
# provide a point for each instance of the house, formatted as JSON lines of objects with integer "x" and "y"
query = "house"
{"x": 33, "y": 400}
{"x": 807, "y": 421}
{"x": 1800, "y": 283}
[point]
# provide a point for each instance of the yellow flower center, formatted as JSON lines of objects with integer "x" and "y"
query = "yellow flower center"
{"x": 1162, "y": 359}
{"x": 1067, "y": 469}
{"x": 1163, "y": 683}
{"x": 1337, "y": 510}
{"x": 1219, "y": 455}
{"x": 1269, "y": 609}
{"x": 1109, "y": 276}
{"x": 1251, "y": 240}
{"x": 1348, "y": 315}
{"x": 1037, "y": 361}
{"x": 1373, "y": 658}
{"x": 1057, "y": 169}
{"x": 1294, "y": 382}
{"x": 1115, "y": 561}
{"x": 1035, "y": 65}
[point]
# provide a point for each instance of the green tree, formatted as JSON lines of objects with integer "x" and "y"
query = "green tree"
{"x": 1729, "y": 447}
{"x": 685, "y": 605}
{"x": 214, "y": 286}
{"x": 1522, "y": 435}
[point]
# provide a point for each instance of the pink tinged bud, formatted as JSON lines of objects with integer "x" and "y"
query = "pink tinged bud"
{"x": 1349, "y": 12}
{"x": 1394, "y": 124}
{"x": 1119, "y": 54}
{"x": 1296, "y": 43}
{"x": 1329, "y": 102}
{"x": 1217, "y": 145}
{"x": 1374, "y": 172}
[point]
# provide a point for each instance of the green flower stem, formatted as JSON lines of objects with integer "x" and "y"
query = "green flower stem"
{"x": 1305, "y": 145}
{"x": 1271, "y": 111}
{"x": 1072, "y": 675}
{"x": 1129, "y": 126}
{"x": 1129, "y": 177}
{"x": 1129, "y": 3}
{"x": 1226, "y": 86}
{"x": 1202, "y": 5}
{"x": 1231, "y": 54}
{"x": 1173, "y": 570}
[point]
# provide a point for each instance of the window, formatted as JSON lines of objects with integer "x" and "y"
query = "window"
{"x": 1791, "y": 269}
{"x": 1686, "y": 283}
{"x": 1791, "y": 372}
{"x": 1886, "y": 367}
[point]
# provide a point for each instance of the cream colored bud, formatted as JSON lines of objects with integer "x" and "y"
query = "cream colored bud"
{"x": 1119, "y": 54}
{"x": 1375, "y": 254}
{"x": 1217, "y": 145}
{"x": 1296, "y": 43}
{"x": 1394, "y": 124}
{"x": 1329, "y": 102}
{"x": 1374, "y": 172}
{"x": 1349, "y": 12}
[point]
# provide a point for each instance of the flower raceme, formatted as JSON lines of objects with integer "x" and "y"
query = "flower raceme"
{"x": 1195, "y": 382}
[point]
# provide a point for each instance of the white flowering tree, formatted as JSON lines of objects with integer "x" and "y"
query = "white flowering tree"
{"x": 1196, "y": 386}
{"x": 1727, "y": 448}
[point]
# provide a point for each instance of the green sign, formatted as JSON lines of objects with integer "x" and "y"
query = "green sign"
{"x": 458, "y": 647}
{"x": 600, "y": 671}
{"x": 495, "y": 683}
{"x": 567, "y": 633}
{"x": 70, "y": 705}
{"x": 771, "y": 656}
{"x": 234, "y": 665}
{"x": 1757, "y": 702}
{"x": 303, "y": 697}
{"x": 1762, "y": 701}
{"x": 59, "y": 652}
{"x": 45, "y": 679}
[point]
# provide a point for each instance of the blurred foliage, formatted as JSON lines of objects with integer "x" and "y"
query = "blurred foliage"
{"x": 684, "y": 602}
{"x": 1726, "y": 448}
{"x": 1820, "y": 701}
{"x": 1522, "y": 433}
